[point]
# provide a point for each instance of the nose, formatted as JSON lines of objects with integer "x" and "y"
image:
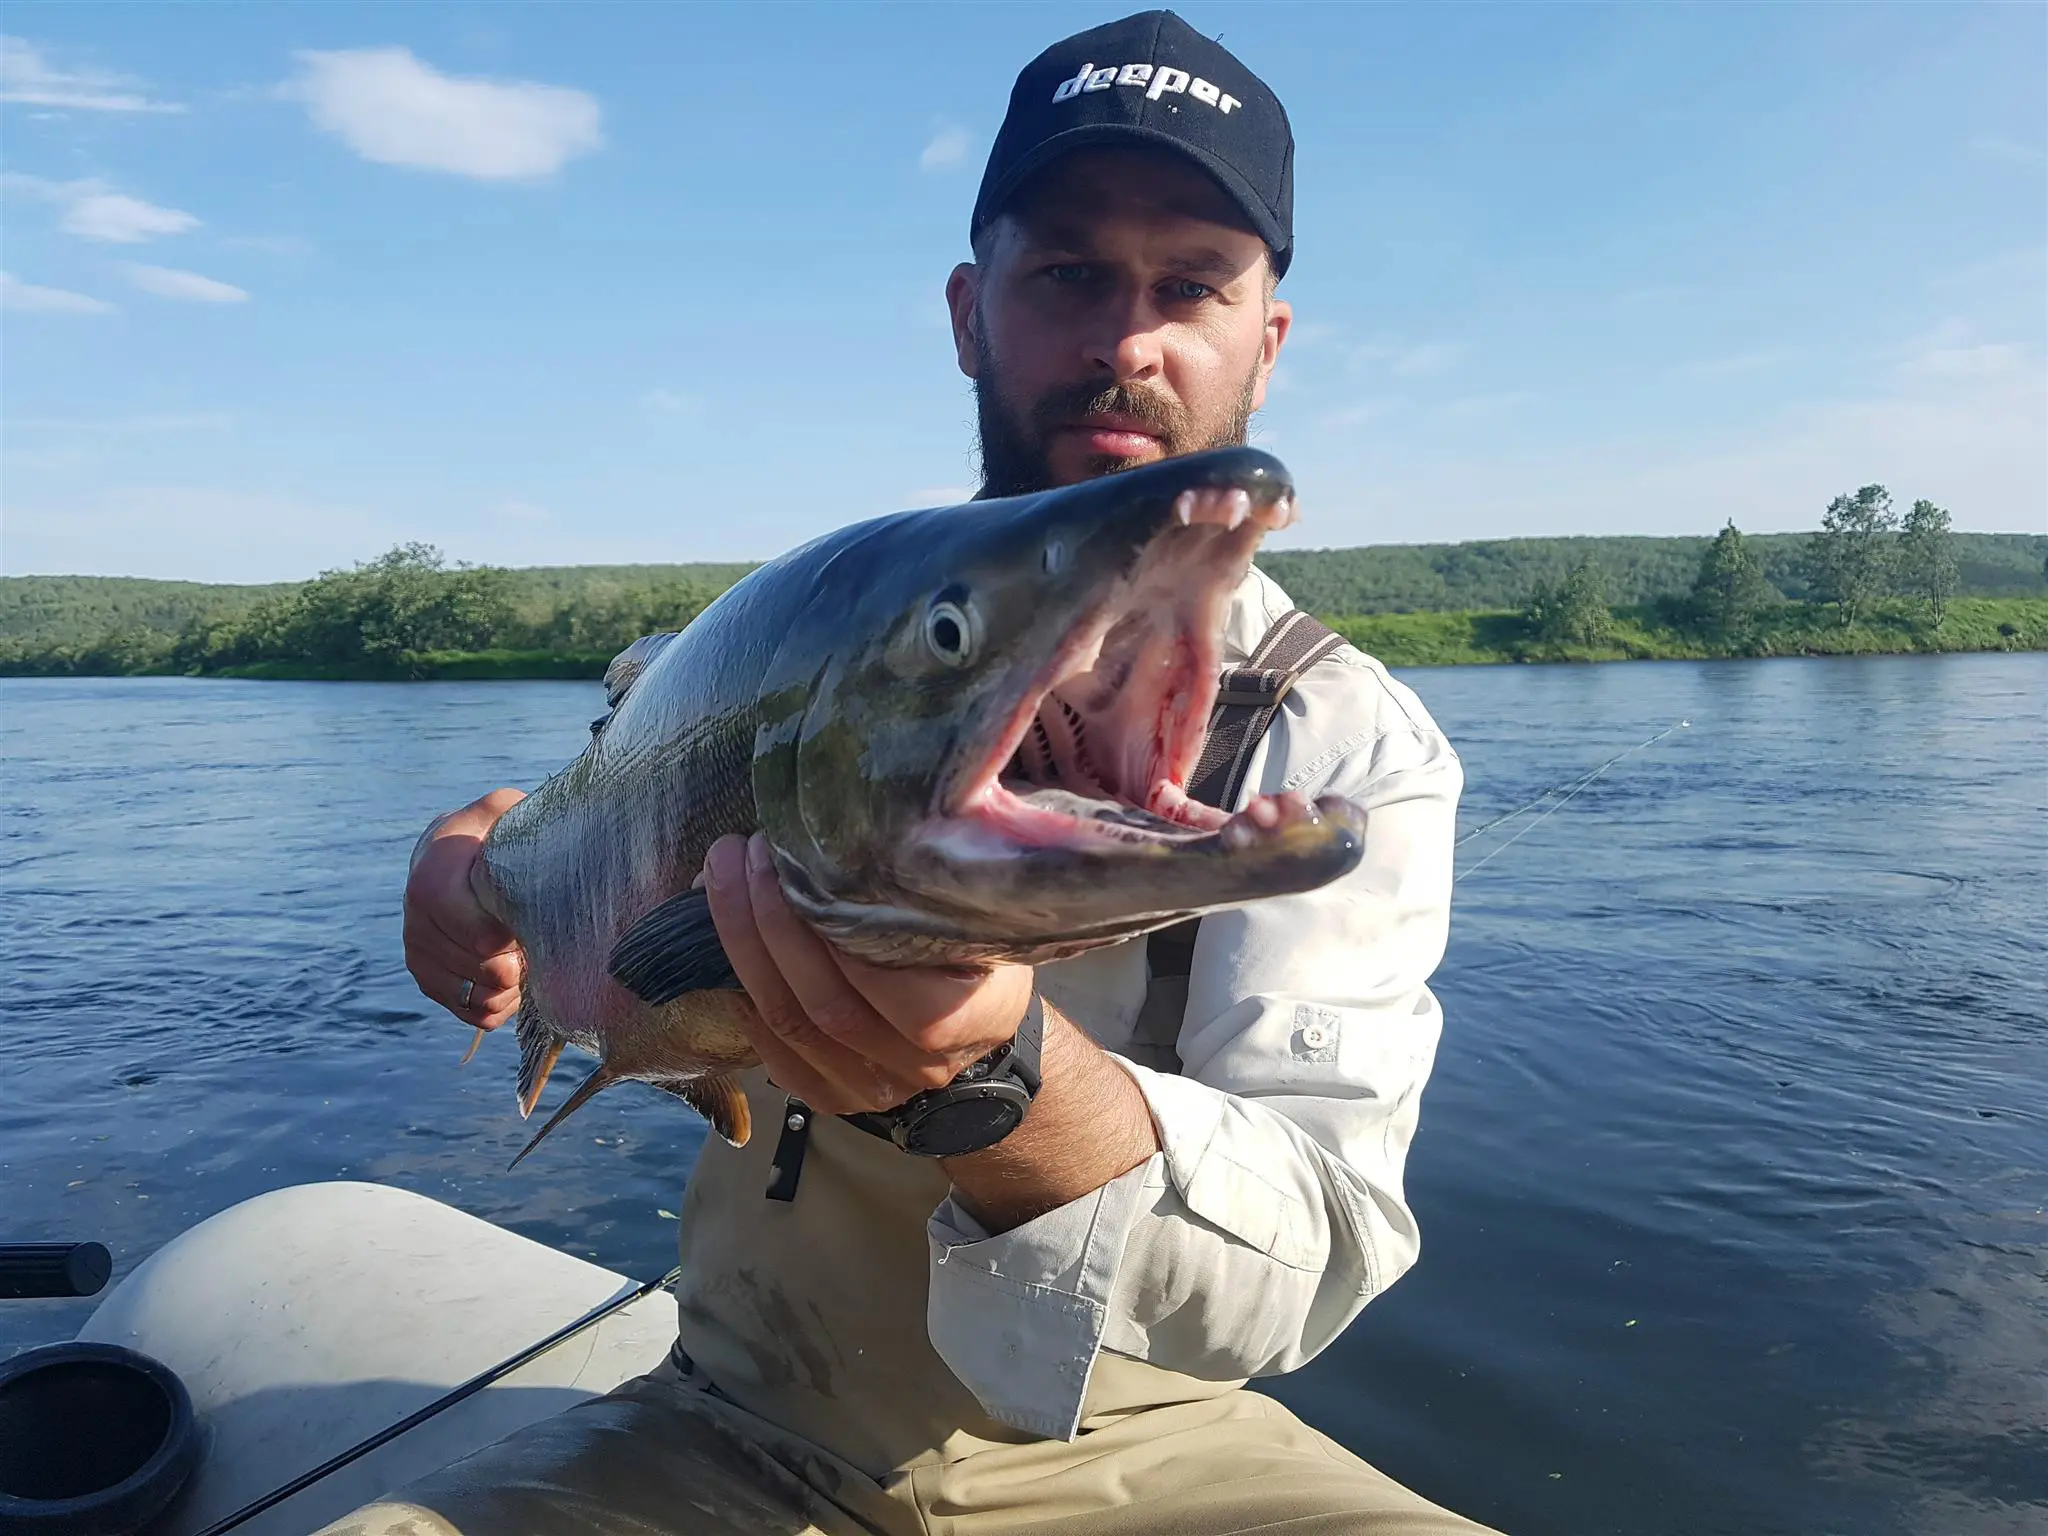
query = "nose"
{"x": 1127, "y": 347}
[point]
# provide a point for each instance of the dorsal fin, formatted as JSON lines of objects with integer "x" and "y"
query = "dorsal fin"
{"x": 627, "y": 666}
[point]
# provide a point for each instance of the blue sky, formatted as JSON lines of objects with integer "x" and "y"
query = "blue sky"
{"x": 288, "y": 284}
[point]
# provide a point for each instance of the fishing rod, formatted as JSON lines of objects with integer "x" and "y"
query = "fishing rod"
{"x": 1569, "y": 790}
{"x": 1566, "y": 792}
{"x": 449, "y": 1399}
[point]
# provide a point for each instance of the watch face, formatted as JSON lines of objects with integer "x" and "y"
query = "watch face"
{"x": 968, "y": 1124}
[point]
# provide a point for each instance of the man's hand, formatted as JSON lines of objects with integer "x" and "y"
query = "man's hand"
{"x": 450, "y": 938}
{"x": 842, "y": 1035}
{"x": 845, "y": 1036}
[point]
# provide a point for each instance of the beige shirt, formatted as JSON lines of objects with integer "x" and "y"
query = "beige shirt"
{"x": 1285, "y": 1106}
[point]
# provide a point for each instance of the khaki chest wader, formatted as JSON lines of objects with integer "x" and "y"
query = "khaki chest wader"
{"x": 804, "y": 1253}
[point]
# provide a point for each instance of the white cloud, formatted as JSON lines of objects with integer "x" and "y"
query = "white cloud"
{"x": 193, "y": 533}
{"x": 95, "y": 211}
{"x": 123, "y": 220}
{"x": 31, "y": 299}
{"x": 1408, "y": 360}
{"x": 171, "y": 283}
{"x": 1356, "y": 414}
{"x": 389, "y": 107}
{"x": 947, "y": 149}
{"x": 1485, "y": 405}
{"x": 1759, "y": 360}
{"x": 122, "y": 426}
{"x": 519, "y": 511}
{"x": 669, "y": 403}
{"x": 1995, "y": 146}
{"x": 1954, "y": 416}
{"x": 27, "y": 77}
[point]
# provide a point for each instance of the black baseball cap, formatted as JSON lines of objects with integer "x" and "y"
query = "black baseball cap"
{"x": 1150, "y": 79}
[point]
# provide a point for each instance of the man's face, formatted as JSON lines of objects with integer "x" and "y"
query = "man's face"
{"x": 1120, "y": 315}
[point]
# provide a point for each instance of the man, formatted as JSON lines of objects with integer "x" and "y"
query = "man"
{"x": 1053, "y": 1330}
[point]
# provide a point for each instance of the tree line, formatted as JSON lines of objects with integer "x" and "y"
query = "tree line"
{"x": 380, "y": 617}
{"x": 392, "y": 615}
{"x": 1863, "y": 554}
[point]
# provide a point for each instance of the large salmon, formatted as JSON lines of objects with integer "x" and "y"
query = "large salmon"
{"x": 967, "y": 733}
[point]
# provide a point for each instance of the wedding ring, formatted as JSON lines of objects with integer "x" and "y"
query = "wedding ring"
{"x": 468, "y": 991}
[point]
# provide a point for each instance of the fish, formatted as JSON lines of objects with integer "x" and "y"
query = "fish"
{"x": 967, "y": 734}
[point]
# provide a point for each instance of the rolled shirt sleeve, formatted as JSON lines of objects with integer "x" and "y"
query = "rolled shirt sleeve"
{"x": 1274, "y": 1211}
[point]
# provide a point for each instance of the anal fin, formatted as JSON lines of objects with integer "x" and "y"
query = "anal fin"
{"x": 719, "y": 1099}
{"x": 586, "y": 1090}
{"x": 672, "y": 949}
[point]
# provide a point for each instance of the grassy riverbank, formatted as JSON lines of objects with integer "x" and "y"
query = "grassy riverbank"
{"x": 1646, "y": 632}
{"x": 1643, "y": 632}
{"x": 431, "y": 666}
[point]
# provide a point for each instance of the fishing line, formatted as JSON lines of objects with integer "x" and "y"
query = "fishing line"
{"x": 449, "y": 1399}
{"x": 1569, "y": 789}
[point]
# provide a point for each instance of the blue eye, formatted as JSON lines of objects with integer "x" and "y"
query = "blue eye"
{"x": 1188, "y": 289}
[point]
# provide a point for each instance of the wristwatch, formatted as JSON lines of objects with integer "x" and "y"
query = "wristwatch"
{"x": 978, "y": 1108}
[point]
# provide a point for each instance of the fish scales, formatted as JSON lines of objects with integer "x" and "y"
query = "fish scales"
{"x": 862, "y": 700}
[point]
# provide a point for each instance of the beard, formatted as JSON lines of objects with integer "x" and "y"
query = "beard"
{"x": 1014, "y": 437}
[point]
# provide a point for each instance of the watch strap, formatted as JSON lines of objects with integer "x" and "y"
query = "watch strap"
{"x": 991, "y": 1094}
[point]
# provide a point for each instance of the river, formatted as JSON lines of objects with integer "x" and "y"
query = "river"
{"x": 1732, "y": 1175}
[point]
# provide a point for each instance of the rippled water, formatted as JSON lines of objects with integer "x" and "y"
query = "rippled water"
{"x": 1733, "y": 1175}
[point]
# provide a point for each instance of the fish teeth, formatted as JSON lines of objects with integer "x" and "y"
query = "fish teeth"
{"x": 1231, "y": 508}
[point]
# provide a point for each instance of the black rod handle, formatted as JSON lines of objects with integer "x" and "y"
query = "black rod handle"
{"x": 52, "y": 1269}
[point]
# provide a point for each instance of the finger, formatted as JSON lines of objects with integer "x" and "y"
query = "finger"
{"x": 433, "y": 960}
{"x": 468, "y": 1001}
{"x": 440, "y": 890}
{"x": 440, "y": 975}
{"x": 956, "y": 1013}
{"x": 501, "y": 972}
{"x": 829, "y": 1000}
{"x": 801, "y": 1058}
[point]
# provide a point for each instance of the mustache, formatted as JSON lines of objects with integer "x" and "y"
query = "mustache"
{"x": 1153, "y": 411}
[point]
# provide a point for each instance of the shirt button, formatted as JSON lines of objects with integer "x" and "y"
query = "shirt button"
{"x": 1314, "y": 1038}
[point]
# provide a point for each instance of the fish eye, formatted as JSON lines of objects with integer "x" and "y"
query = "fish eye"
{"x": 1054, "y": 558}
{"x": 949, "y": 633}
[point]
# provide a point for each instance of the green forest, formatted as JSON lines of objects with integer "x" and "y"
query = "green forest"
{"x": 1869, "y": 580}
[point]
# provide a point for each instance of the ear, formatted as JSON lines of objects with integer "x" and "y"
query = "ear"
{"x": 963, "y": 289}
{"x": 1279, "y": 320}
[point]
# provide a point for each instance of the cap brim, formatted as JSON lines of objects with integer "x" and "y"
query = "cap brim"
{"x": 1234, "y": 185}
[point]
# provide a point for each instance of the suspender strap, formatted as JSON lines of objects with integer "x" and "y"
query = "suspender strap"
{"x": 1246, "y": 702}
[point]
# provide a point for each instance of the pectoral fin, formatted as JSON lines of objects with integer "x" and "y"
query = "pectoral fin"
{"x": 672, "y": 949}
{"x": 588, "y": 1089}
{"x": 720, "y": 1099}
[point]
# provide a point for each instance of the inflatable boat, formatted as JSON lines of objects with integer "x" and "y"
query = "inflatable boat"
{"x": 330, "y": 1323}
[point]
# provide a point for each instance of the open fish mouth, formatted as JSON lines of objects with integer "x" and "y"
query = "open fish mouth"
{"x": 1096, "y": 752}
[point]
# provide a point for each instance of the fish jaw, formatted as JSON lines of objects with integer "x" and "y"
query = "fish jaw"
{"x": 1062, "y": 819}
{"x": 1021, "y": 882}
